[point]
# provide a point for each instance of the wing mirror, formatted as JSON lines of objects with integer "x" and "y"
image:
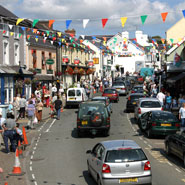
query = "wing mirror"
{"x": 88, "y": 152}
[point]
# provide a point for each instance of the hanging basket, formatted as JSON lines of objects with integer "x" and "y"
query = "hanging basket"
{"x": 81, "y": 71}
{"x": 69, "y": 70}
{"x": 76, "y": 70}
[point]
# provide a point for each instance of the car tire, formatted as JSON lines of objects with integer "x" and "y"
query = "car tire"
{"x": 167, "y": 148}
{"x": 143, "y": 125}
{"x": 106, "y": 133}
{"x": 149, "y": 133}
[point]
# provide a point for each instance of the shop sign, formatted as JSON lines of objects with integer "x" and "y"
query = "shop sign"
{"x": 76, "y": 61}
{"x": 65, "y": 60}
{"x": 96, "y": 60}
{"x": 90, "y": 63}
{"x": 49, "y": 61}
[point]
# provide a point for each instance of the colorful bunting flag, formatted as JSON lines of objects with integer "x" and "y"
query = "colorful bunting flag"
{"x": 19, "y": 20}
{"x": 28, "y": 37}
{"x": 10, "y": 26}
{"x": 68, "y": 22}
{"x": 172, "y": 40}
{"x": 11, "y": 33}
{"x": 163, "y": 41}
{"x": 23, "y": 28}
{"x": 164, "y": 15}
{"x": 123, "y": 21}
{"x": 59, "y": 34}
{"x": 51, "y": 22}
{"x": 143, "y": 18}
{"x": 47, "y": 32}
{"x": 83, "y": 37}
{"x": 104, "y": 22}
{"x": 85, "y": 22}
{"x": 20, "y": 35}
{"x": 36, "y": 39}
{"x": 35, "y": 21}
{"x": 183, "y": 11}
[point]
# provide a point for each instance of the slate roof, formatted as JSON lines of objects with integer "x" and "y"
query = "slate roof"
{"x": 6, "y": 13}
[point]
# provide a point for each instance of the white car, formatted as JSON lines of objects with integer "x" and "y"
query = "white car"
{"x": 146, "y": 105}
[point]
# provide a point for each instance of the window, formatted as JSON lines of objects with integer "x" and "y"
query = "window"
{"x": 8, "y": 89}
{"x": 43, "y": 60}
{"x": 16, "y": 54}
{"x": 16, "y": 32}
{"x": 6, "y": 30}
{"x": 5, "y": 52}
{"x": 150, "y": 104}
{"x": 78, "y": 93}
{"x": 34, "y": 59}
{"x": 71, "y": 93}
{"x": 50, "y": 57}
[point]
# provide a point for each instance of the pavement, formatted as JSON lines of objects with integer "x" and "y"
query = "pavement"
{"x": 7, "y": 161}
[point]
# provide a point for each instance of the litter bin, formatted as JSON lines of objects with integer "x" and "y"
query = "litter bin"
{"x": 3, "y": 110}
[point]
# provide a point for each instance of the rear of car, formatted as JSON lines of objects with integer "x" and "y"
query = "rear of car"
{"x": 93, "y": 117}
{"x": 120, "y": 87}
{"x": 111, "y": 93}
{"x": 164, "y": 123}
{"x": 137, "y": 89}
{"x": 75, "y": 96}
{"x": 126, "y": 164}
{"x": 132, "y": 101}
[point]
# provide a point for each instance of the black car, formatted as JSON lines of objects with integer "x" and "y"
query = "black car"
{"x": 132, "y": 100}
{"x": 137, "y": 89}
{"x": 174, "y": 144}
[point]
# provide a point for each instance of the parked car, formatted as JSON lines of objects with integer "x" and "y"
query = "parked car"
{"x": 119, "y": 79}
{"x": 158, "y": 123}
{"x": 174, "y": 144}
{"x": 93, "y": 117}
{"x": 111, "y": 93}
{"x": 137, "y": 89}
{"x": 75, "y": 96}
{"x": 120, "y": 87}
{"x": 140, "y": 79}
{"x": 119, "y": 162}
{"x": 132, "y": 101}
{"x": 145, "y": 105}
{"x": 104, "y": 99}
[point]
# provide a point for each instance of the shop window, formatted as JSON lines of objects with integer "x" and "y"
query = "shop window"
{"x": 34, "y": 59}
{"x": 43, "y": 60}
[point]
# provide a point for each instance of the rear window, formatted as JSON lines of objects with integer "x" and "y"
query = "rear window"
{"x": 138, "y": 88}
{"x": 102, "y": 100}
{"x": 78, "y": 92}
{"x": 71, "y": 93}
{"x": 135, "y": 98}
{"x": 150, "y": 104}
{"x": 118, "y": 84}
{"x": 164, "y": 117}
{"x": 110, "y": 91}
{"x": 125, "y": 155}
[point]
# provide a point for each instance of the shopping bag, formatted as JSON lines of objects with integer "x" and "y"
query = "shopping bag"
{"x": 35, "y": 121}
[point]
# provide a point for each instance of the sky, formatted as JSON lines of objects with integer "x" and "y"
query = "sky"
{"x": 95, "y": 10}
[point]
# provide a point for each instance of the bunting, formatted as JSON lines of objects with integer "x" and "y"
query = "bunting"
{"x": 51, "y": 23}
{"x": 183, "y": 12}
{"x": 19, "y": 20}
{"x": 85, "y": 22}
{"x": 10, "y": 26}
{"x": 104, "y": 22}
{"x": 143, "y": 18}
{"x": 35, "y": 21}
{"x": 164, "y": 15}
{"x": 68, "y": 22}
{"x": 123, "y": 21}
{"x": 59, "y": 34}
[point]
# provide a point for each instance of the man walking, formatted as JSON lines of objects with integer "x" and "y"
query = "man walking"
{"x": 22, "y": 105}
{"x": 31, "y": 114}
{"x": 58, "y": 106}
{"x": 161, "y": 97}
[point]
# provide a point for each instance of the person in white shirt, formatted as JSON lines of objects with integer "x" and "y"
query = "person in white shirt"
{"x": 161, "y": 97}
{"x": 2, "y": 120}
{"x": 182, "y": 116}
{"x": 54, "y": 90}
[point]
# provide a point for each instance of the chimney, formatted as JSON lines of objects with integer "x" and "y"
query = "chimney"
{"x": 71, "y": 32}
{"x": 125, "y": 34}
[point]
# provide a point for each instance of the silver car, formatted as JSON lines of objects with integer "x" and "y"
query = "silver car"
{"x": 118, "y": 162}
{"x": 145, "y": 105}
{"x": 120, "y": 87}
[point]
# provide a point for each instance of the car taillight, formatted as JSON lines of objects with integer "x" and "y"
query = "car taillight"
{"x": 147, "y": 166}
{"x": 162, "y": 108}
{"x": 154, "y": 124}
{"x": 122, "y": 88}
{"x": 139, "y": 111}
{"x": 106, "y": 168}
{"x": 132, "y": 91}
{"x": 78, "y": 121}
{"x": 177, "y": 125}
{"x": 108, "y": 119}
{"x": 129, "y": 98}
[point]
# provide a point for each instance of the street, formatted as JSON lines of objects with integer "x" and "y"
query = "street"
{"x": 57, "y": 156}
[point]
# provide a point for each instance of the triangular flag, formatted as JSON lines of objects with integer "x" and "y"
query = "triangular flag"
{"x": 85, "y": 22}
{"x": 51, "y": 22}
{"x": 163, "y": 41}
{"x": 20, "y": 35}
{"x": 104, "y": 21}
{"x": 68, "y": 22}
{"x": 83, "y": 37}
{"x": 44, "y": 41}
{"x": 59, "y": 34}
{"x": 143, "y": 18}
{"x": 23, "y": 28}
{"x": 123, "y": 21}
{"x": 172, "y": 40}
{"x": 11, "y": 33}
{"x": 28, "y": 36}
{"x": 10, "y": 26}
{"x": 183, "y": 11}
{"x": 51, "y": 42}
{"x": 47, "y": 32}
{"x": 163, "y": 15}
{"x": 35, "y": 21}
{"x": 19, "y": 20}
{"x": 36, "y": 39}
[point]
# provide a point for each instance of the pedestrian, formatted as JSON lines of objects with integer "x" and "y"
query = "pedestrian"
{"x": 168, "y": 101}
{"x": 37, "y": 93}
{"x": 39, "y": 107}
{"x": 2, "y": 120}
{"x": 87, "y": 90}
{"x": 154, "y": 91}
{"x": 161, "y": 97}
{"x": 145, "y": 90}
{"x": 54, "y": 90}
{"x": 16, "y": 108}
{"x": 78, "y": 84}
{"x": 97, "y": 85}
{"x": 33, "y": 99}
{"x": 180, "y": 99}
{"x": 182, "y": 116}
{"x": 174, "y": 102}
{"x": 22, "y": 105}
{"x": 47, "y": 97}
{"x": 58, "y": 106}
{"x": 18, "y": 134}
{"x": 31, "y": 114}
{"x": 9, "y": 130}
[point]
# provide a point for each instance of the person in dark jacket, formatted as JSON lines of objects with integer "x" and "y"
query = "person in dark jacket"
{"x": 58, "y": 106}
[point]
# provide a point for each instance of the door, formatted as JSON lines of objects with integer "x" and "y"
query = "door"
{"x": 144, "y": 121}
{"x": 79, "y": 95}
{"x": 71, "y": 95}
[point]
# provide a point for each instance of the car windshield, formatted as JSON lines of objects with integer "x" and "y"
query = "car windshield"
{"x": 150, "y": 104}
{"x": 118, "y": 84}
{"x": 135, "y": 98}
{"x": 125, "y": 155}
{"x": 138, "y": 88}
{"x": 87, "y": 109}
{"x": 110, "y": 91}
{"x": 164, "y": 117}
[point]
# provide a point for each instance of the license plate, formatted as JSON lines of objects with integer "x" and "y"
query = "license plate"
{"x": 128, "y": 180}
{"x": 109, "y": 95}
{"x": 166, "y": 124}
{"x": 84, "y": 122}
{"x": 118, "y": 89}
{"x": 71, "y": 98}
{"x": 134, "y": 103}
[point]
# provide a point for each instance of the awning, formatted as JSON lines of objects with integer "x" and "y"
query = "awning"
{"x": 176, "y": 78}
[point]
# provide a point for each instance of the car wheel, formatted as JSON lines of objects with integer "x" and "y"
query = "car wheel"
{"x": 99, "y": 181}
{"x": 149, "y": 133}
{"x": 168, "y": 149}
{"x": 143, "y": 125}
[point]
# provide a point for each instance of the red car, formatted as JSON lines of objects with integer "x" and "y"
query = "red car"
{"x": 111, "y": 93}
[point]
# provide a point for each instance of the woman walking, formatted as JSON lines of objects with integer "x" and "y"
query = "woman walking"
{"x": 182, "y": 116}
{"x": 39, "y": 108}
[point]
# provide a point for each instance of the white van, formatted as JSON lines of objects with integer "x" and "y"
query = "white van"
{"x": 75, "y": 96}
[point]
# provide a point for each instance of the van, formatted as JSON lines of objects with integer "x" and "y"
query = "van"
{"x": 75, "y": 96}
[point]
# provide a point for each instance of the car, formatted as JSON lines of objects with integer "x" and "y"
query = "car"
{"x": 145, "y": 105}
{"x": 93, "y": 117}
{"x": 120, "y": 87}
{"x": 104, "y": 99}
{"x": 75, "y": 96}
{"x": 119, "y": 162}
{"x": 111, "y": 93}
{"x": 174, "y": 144}
{"x": 119, "y": 79}
{"x": 137, "y": 89}
{"x": 159, "y": 123}
{"x": 140, "y": 79}
{"x": 132, "y": 101}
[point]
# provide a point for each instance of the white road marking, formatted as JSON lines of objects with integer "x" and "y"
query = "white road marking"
{"x": 31, "y": 157}
{"x": 33, "y": 152}
{"x": 130, "y": 122}
{"x": 149, "y": 145}
{"x": 33, "y": 176}
{"x": 178, "y": 170}
{"x": 30, "y": 168}
{"x": 35, "y": 182}
{"x": 30, "y": 163}
{"x": 34, "y": 148}
{"x": 50, "y": 125}
{"x": 170, "y": 163}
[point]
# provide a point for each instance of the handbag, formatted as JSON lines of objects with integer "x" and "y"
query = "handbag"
{"x": 35, "y": 121}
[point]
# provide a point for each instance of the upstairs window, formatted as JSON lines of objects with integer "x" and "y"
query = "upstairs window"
{"x": 5, "y": 52}
{"x": 16, "y": 54}
{"x": 16, "y": 32}
{"x": 5, "y": 30}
